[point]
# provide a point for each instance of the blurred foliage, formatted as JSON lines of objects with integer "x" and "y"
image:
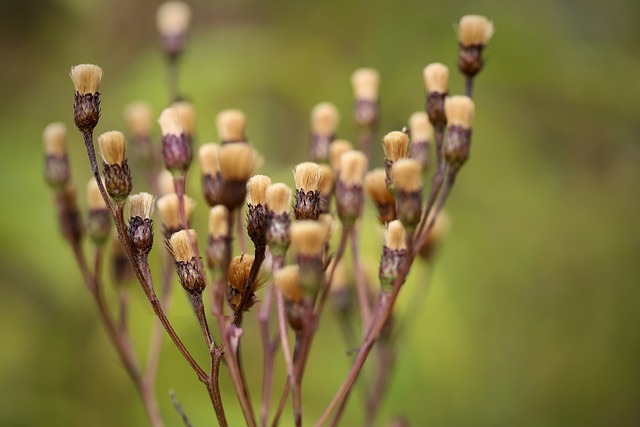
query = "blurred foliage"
{"x": 533, "y": 311}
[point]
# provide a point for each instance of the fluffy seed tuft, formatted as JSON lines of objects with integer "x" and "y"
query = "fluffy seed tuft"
{"x": 209, "y": 162}
{"x": 421, "y": 128}
{"x": 475, "y": 30}
{"x": 278, "y": 198}
{"x": 94, "y": 197}
{"x": 436, "y": 78}
{"x": 336, "y": 150}
{"x": 353, "y": 167}
{"x": 459, "y": 111}
{"x": 141, "y": 205}
{"x": 396, "y": 145}
{"x": 395, "y": 236}
{"x": 307, "y": 176}
{"x": 238, "y": 161}
{"x": 406, "y": 175}
{"x": 239, "y": 272}
{"x": 365, "y": 82}
{"x": 86, "y": 78}
{"x": 257, "y": 189}
{"x": 218, "y": 222}
{"x": 287, "y": 279}
{"x": 170, "y": 123}
{"x": 180, "y": 245}
{"x": 168, "y": 209}
{"x": 55, "y": 139}
{"x": 375, "y": 187}
{"x": 138, "y": 116}
{"x": 112, "y": 147}
{"x": 173, "y": 18}
{"x": 231, "y": 125}
{"x": 308, "y": 237}
{"x": 324, "y": 119}
{"x": 187, "y": 115}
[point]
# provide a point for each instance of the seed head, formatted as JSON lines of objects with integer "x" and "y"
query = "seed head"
{"x": 307, "y": 176}
{"x": 187, "y": 114}
{"x": 324, "y": 119}
{"x": 165, "y": 183}
{"x": 173, "y": 18}
{"x": 94, "y": 197}
{"x": 308, "y": 238}
{"x": 168, "y": 209}
{"x": 55, "y": 139}
{"x": 278, "y": 198}
{"x": 353, "y": 167}
{"x": 86, "y": 78}
{"x": 475, "y": 30}
{"x": 138, "y": 116}
{"x": 170, "y": 123}
{"x": 218, "y": 222}
{"x": 112, "y": 147}
{"x": 231, "y": 125}
{"x": 395, "y": 236}
{"x": 257, "y": 189}
{"x": 375, "y": 187}
{"x": 209, "y": 162}
{"x": 459, "y": 110}
{"x": 288, "y": 280}
{"x": 436, "y": 78}
{"x": 239, "y": 273}
{"x": 365, "y": 82}
{"x": 396, "y": 145}
{"x": 337, "y": 149}
{"x": 406, "y": 175}
{"x": 421, "y": 128}
{"x": 238, "y": 161}
{"x": 141, "y": 205}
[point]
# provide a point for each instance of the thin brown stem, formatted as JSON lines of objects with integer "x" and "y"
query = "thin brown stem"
{"x": 468, "y": 86}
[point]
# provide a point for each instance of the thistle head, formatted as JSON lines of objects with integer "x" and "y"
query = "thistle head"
{"x": 231, "y": 124}
{"x": 86, "y": 78}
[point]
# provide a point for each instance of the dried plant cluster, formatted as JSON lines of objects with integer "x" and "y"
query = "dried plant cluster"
{"x": 290, "y": 227}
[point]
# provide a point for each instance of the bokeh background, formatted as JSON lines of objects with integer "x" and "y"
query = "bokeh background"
{"x": 532, "y": 318}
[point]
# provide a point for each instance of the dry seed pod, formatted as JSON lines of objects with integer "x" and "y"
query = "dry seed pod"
{"x": 239, "y": 273}
{"x": 56, "y": 162}
{"x": 436, "y": 78}
{"x": 172, "y": 21}
{"x": 308, "y": 240}
{"x": 365, "y": 82}
{"x": 474, "y": 32}
{"x": 256, "y": 209}
{"x": 218, "y": 254}
{"x": 349, "y": 189}
{"x": 181, "y": 245}
{"x": 168, "y": 209}
{"x": 324, "y": 122}
{"x": 307, "y": 178}
{"x": 117, "y": 176}
{"x": 238, "y": 161}
{"x": 231, "y": 126}
{"x": 393, "y": 254}
{"x": 421, "y": 137}
{"x": 460, "y": 111}
{"x": 175, "y": 149}
{"x": 278, "y": 202}
{"x": 407, "y": 180}
{"x": 86, "y": 108}
{"x": 140, "y": 223}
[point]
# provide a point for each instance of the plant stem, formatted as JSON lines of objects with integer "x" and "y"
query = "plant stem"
{"x": 468, "y": 86}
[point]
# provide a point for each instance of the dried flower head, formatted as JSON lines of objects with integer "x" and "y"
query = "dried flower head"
{"x": 365, "y": 83}
{"x": 182, "y": 246}
{"x": 173, "y": 18}
{"x": 375, "y": 187}
{"x": 138, "y": 116}
{"x": 307, "y": 176}
{"x": 287, "y": 279}
{"x": 209, "y": 162}
{"x": 141, "y": 205}
{"x": 395, "y": 236}
{"x": 170, "y": 123}
{"x": 396, "y": 145}
{"x": 94, "y": 197}
{"x": 55, "y": 139}
{"x": 112, "y": 147}
{"x": 257, "y": 189}
{"x": 337, "y": 149}
{"x": 475, "y": 30}
{"x": 406, "y": 175}
{"x": 459, "y": 110}
{"x": 166, "y": 183}
{"x": 421, "y": 128}
{"x": 436, "y": 78}
{"x": 353, "y": 167}
{"x": 231, "y": 125}
{"x": 218, "y": 222}
{"x": 238, "y": 161}
{"x": 308, "y": 238}
{"x": 187, "y": 114}
{"x": 86, "y": 78}
{"x": 239, "y": 274}
{"x": 168, "y": 209}
{"x": 278, "y": 198}
{"x": 324, "y": 119}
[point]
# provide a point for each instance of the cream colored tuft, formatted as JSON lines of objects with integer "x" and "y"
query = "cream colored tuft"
{"x": 324, "y": 119}
{"x": 218, "y": 221}
{"x": 308, "y": 237}
{"x": 112, "y": 147}
{"x": 173, "y": 18}
{"x": 307, "y": 176}
{"x": 187, "y": 114}
{"x": 170, "y": 123}
{"x": 474, "y": 30}
{"x": 395, "y": 236}
{"x": 365, "y": 82}
{"x": 353, "y": 167}
{"x": 139, "y": 119}
{"x": 141, "y": 205}
{"x": 238, "y": 161}
{"x": 165, "y": 183}
{"x": 287, "y": 279}
{"x": 327, "y": 181}
{"x": 86, "y": 78}
{"x": 94, "y": 197}
{"x": 406, "y": 175}
{"x": 421, "y": 128}
{"x": 168, "y": 209}
{"x": 459, "y": 111}
{"x": 257, "y": 190}
{"x": 231, "y": 125}
{"x": 375, "y": 187}
{"x": 55, "y": 139}
{"x": 436, "y": 78}
{"x": 336, "y": 150}
{"x": 209, "y": 161}
{"x": 239, "y": 272}
{"x": 278, "y": 198}
{"x": 180, "y": 245}
{"x": 396, "y": 145}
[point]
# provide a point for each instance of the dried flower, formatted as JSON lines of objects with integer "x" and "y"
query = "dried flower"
{"x": 86, "y": 108}
{"x": 393, "y": 254}
{"x": 210, "y": 173}
{"x": 474, "y": 32}
{"x": 307, "y": 178}
{"x": 256, "y": 209}
{"x": 407, "y": 180}
{"x": 337, "y": 149}
{"x": 168, "y": 209}
{"x": 218, "y": 248}
{"x": 175, "y": 149}
{"x": 239, "y": 274}
{"x": 117, "y": 175}
{"x": 327, "y": 182}
{"x": 460, "y": 110}
{"x": 278, "y": 203}
{"x": 181, "y": 245}
{"x": 99, "y": 220}
{"x": 349, "y": 189}
{"x": 172, "y": 20}
{"x": 238, "y": 161}
{"x": 365, "y": 82}
{"x": 324, "y": 122}
{"x": 308, "y": 239}
{"x": 436, "y": 78}
{"x": 421, "y": 136}
{"x": 140, "y": 223}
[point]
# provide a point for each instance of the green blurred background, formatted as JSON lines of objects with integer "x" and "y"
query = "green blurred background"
{"x": 533, "y": 314}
